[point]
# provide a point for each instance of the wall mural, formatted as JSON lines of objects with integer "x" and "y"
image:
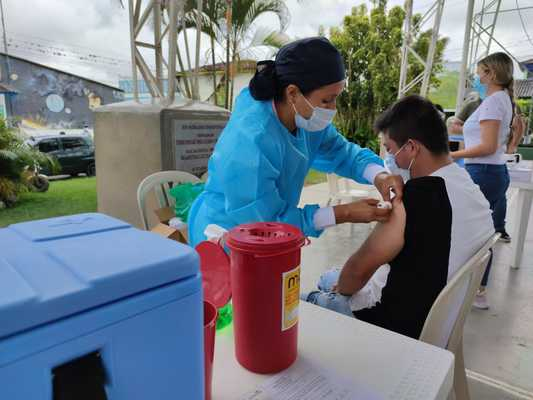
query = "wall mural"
{"x": 52, "y": 99}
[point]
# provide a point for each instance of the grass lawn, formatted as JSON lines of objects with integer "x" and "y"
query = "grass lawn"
{"x": 65, "y": 197}
{"x": 446, "y": 93}
{"x": 74, "y": 196}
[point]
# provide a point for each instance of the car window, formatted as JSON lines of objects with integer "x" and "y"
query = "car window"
{"x": 49, "y": 145}
{"x": 72, "y": 143}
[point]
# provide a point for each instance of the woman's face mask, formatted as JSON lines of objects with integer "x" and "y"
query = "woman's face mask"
{"x": 479, "y": 87}
{"x": 318, "y": 121}
{"x": 392, "y": 166}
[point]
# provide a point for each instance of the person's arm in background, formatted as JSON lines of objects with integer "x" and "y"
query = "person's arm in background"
{"x": 455, "y": 126}
{"x": 455, "y": 123}
{"x": 518, "y": 129}
{"x": 382, "y": 246}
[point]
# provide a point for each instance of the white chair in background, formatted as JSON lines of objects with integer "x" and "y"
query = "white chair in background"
{"x": 340, "y": 191}
{"x": 445, "y": 322}
{"x": 161, "y": 183}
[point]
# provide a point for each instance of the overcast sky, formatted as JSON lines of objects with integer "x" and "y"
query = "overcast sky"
{"x": 59, "y": 32}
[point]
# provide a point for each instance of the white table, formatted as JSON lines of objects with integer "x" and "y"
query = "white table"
{"x": 523, "y": 208}
{"x": 391, "y": 365}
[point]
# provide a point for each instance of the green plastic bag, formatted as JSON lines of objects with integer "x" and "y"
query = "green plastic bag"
{"x": 185, "y": 194}
{"x": 225, "y": 316}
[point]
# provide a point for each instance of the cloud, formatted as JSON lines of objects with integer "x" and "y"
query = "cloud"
{"x": 98, "y": 27}
{"x": 101, "y": 27}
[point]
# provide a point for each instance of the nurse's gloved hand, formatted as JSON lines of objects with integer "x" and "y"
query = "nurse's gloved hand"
{"x": 365, "y": 210}
{"x": 384, "y": 183}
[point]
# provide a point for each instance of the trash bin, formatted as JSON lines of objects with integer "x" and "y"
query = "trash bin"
{"x": 265, "y": 283}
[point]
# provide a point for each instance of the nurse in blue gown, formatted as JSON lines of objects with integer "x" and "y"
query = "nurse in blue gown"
{"x": 281, "y": 127}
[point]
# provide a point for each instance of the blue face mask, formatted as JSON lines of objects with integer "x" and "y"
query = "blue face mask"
{"x": 479, "y": 87}
{"x": 318, "y": 121}
{"x": 392, "y": 166}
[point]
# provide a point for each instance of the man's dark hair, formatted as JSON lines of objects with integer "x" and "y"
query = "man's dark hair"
{"x": 414, "y": 117}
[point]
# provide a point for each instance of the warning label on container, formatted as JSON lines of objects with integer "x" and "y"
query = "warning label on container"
{"x": 290, "y": 298}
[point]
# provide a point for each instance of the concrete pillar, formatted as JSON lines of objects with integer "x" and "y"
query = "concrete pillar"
{"x": 128, "y": 140}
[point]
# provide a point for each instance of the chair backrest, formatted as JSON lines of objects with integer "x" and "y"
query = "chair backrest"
{"x": 161, "y": 183}
{"x": 444, "y": 324}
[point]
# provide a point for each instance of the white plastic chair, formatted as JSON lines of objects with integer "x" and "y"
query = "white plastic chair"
{"x": 161, "y": 183}
{"x": 444, "y": 324}
{"x": 340, "y": 192}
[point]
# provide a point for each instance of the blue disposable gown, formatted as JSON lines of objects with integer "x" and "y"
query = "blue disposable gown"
{"x": 257, "y": 170}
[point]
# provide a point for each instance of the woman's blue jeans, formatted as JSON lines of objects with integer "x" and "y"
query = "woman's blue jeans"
{"x": 493, "y": 180}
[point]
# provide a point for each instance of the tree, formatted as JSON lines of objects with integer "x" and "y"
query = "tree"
{"x": 17, "y": 161}
{"x": 370, "y": 43}
{"x": 243, "y": 36}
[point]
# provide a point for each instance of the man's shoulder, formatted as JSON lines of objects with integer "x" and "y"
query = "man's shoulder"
{"x": 422, "y": 196}
{"x": 423, "y": 186}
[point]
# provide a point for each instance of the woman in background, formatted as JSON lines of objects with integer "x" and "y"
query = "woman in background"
{"x": 486, "y": 134}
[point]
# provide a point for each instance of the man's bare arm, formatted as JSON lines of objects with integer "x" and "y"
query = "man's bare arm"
{"x": 384, "y": 243}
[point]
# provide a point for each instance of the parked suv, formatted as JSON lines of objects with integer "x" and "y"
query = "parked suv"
{"x": 75, "y": 153}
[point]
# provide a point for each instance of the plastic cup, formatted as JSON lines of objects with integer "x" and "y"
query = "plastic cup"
{"x": 210, "y": 319}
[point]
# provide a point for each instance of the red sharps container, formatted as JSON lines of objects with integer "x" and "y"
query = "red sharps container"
{"x": 265, "y": 281}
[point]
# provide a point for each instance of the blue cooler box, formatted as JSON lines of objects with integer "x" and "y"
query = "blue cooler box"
{"x": 92, "y": 308}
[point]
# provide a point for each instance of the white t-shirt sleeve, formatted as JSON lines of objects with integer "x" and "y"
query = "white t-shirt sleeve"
{"x": 491, "y": 108}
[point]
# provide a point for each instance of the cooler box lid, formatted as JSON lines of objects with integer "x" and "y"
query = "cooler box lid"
{"x": 53, "y": 268}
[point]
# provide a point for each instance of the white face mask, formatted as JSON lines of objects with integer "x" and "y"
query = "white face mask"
{"x": 392, "y": 166}
{"x": 318, "y": 121}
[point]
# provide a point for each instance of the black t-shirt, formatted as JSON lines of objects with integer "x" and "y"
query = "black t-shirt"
{"x": 420, "y": 271}
{"x": 447, "y": 221}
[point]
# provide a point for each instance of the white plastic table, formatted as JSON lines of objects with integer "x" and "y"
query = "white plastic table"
{"x": 388, "y": 364}
{"x": 523, "y": 208}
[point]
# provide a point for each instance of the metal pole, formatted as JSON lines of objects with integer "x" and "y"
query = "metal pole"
{"x": 499, "y": 44}
{"x": 6, "y": 50}
{"x": 172, "y": 49}
{"x": 493, "y": 26}
{"x": 405, "y": 46}
{"x": 228, "y": 36}
{"x": 7, "y": 77}
{"x": 148, "y": 76}
{"x": 140, "y": 23}
{"x": 464, "y": 63}
{"x": 133, "y": 57}
{"x": 197, "y": 55}
{"x": 157, "y": 43}
{"x": 510, "y": 10}
{"x": 476, "y": 35}
{"x": 431, "y": 51}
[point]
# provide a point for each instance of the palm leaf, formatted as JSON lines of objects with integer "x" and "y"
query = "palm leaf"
{"x": 7, "y": 155}
{"x": 246, "y": 12}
